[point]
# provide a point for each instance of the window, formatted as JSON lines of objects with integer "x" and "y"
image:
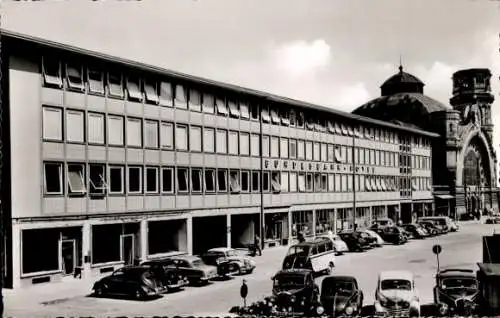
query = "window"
{"x": 300, "y": 119}
{"x": 134, "y": 89}
{"x": 324, "y": 182}
{"x": 75, "y": 123}
{"x": 324, "y": 155}
{"x": 97, "y": 179}
{"x": 115, "y": 130}
{"x": 209, "y": 180}
{"x": 285, "y": 118}
{"x": 134, "y": 132}
{"x": 74, "y": 77}
{"x": 221, "y": 141}
{"x": 95, "y": 128}
{"x": 116, "y": 179}
{"x": 196, "y": 181}
{"x": 234, "y": 181}
{"x": 338, "y": 186}
{"x": 76, "y": 179}
{"x": 180, "y": 100}
{"x": 293, "y": 148}
{"x": 95, "y": 79}
{"x": 181, "y": 137}
{"x": 233, "y": 143}
{"x": 254, "y": 112}
{"x": 284, "y": 148}
{"x": 309, "y": 182}
{"x": 208, "y": 103}
{"x": 115, "y": 85}
{"x": 52, "y": 72}
{"x": 244, "y": 144}
{"x": 255, "y": 181}
{"x": 275, "y": 181}
{"x": 316, "y": 152}
{"x": 195, "y": 138}
{"x": 244, "y": 111}
{"x": 275, "y": 147}
{"x": 331, "y": 183}
{"x": 220, "y": 103}
{"x": 265, "y": 146}
{"x": 167, "y": 180}
{"x": 265, "y": 114}
{"x": 254, "y": 145}
{"x": 317, "y": 182}
{"x": 151, "y": 180}
{"x": 151, "y": 92}
{"x": 265, "y": 181}
{"x": 194, "y": 100}
{"x": 300, "y": 149}
{"x": 292, "y": 117}
{"x": 182, "y": 180}
{"x": 284, "y": 182}
{"x": 52, "y": 123}
{"x": 166, "y": 94}
{"x": 293, "y": 182}
{"x": 309, "y": 150}
{"x": 134, "y": 181}
{"x": 344, "y": 182}
{"x": 208, "y": 140}
{"x": 222, "y": 180}
{"x": 245, "y": 181}
{"x": 167, "y": 135}
{"x": 53, "y": 178}
{"x": 233, "y": 109}
{"x": 301, "y": 182}
{"x": 151, "y": 133}
{"x": 330, "y": 153}
{"x": 275, "y": 117}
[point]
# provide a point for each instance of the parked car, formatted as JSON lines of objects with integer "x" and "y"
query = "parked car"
{"x": 192, "y": 267}
{"x": 396, "y": 295}
{"x": 393, "y": 235}
{"x": 317, "y": 255}
{"x": 493, "y": 220}
{"x": 381, "y": 223}
{"x": 354, "y": 241}
{"x": 294, "y": 290}
{"x": 445, "y": 222}
{"x": 341, "y": 296}
{"x": 415, "y": 231}
{"x": 228, "y": 261}
{"x": 457, "y": 292}
{"x": 379, "y": 241}
{"x": 339, "y": 245}
{"x": 370, "y": 240}
{"x": 168, "y": 278}
{"x": 431, "y": 228}
{"x": 454, "y": 226}
{"x": 133, "y": 281}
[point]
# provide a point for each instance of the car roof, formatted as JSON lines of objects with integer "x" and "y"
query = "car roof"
{"x": 300, "y": 271}
{"x": 395, "y": 275}
{"x": 339, "y": 277}
{"x": 186, "y": 257}
{"x": 453, "y": 272}
{"x": 220, "y": 249}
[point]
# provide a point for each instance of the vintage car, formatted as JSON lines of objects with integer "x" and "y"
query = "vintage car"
{"x": 379, "y": 241}
{"x": 456, "y": 292}
{"x": 317, "y": 255}
{"x": 354, "y": 241}
{"x": 339, "y": 245}
{"x": 191, "y": 267}
{"x": 415, "y": 231}
{"x": 133, "y": 281}
{"x": 445, "y": 222}
{"x": 431, "y": 229}
{"x": 168, "y": 278}
{"x": 341, "y": 296}
{"x": 370, "y": 240}
{"x": 392, "y": 234}
{"x": 228, "y": 261}
{"x": 295, "y": 291}
{"x": 396, "y": 295}
{"x": 381, "y": 223}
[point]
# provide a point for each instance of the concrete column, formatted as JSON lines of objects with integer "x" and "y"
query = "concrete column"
{"x": 16, "y": 256}
{"x": 143, "y": 240}
{"x": 314, "y": 223}
{"x": 228, "y": 229}
{"x": 334, "y": 221}
{"x": 86, "y": 249}
{"x": 290, "y": 220}
{"x": 189, "y": 235}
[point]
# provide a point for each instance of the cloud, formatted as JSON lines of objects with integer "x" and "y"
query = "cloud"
{"x": 351, "y": 96}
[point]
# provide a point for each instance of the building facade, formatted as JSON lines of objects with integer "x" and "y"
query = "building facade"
{"x": 464, "y": 158}
{"x": 109, "y": 161}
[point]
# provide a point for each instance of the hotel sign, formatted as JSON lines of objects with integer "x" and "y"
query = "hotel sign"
{"x": 301, "y": 166}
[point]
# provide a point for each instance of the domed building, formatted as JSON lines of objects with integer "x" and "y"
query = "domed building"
{"x": 464, "y": 159}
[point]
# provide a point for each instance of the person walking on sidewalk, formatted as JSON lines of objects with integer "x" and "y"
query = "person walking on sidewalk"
{"x": 257, "y": 245}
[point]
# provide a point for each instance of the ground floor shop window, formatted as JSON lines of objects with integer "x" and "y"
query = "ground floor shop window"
{"x": 378, "y": 212}
{"x": 166, "y": 236}
{"x": 344, "y": 219}
{"x": 362, "y": 217}
{"x": 276, "y": 226}
{"x": 40, "y": 250}
{"x": 325, "y": 221}
{"x": 302, "y": 221}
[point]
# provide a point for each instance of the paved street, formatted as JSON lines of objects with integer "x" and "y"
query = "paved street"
{"x": 462, "y": 249}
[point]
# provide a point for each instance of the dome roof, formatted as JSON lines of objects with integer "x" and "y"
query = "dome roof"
{"x": 402, "y": 82}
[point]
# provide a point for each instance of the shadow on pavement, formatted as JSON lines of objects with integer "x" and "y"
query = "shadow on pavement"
{"x": 427, "y": 310}
{"x": 222, "y": 278}
{"x": 151, "y": 298}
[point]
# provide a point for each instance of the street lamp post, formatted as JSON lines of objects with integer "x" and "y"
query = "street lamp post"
{"x": 353, "y": 156}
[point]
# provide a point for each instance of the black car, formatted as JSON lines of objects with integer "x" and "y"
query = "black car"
{"x": 341, "y": 296}
{"x": 415, "y": 231}
{"x": 430, "y": 227}
{"x": 294, "y": 290}
{"x": 354, "y": 241}
{"x": 169, "y": 278}
{"x": 135, "y": 281}
{"x": 457, "y": 292}
{"x": 393, "y": 234}
{"x": 370, "y": 240}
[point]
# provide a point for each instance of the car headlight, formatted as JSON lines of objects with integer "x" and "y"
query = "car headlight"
{"x": 349, "y": 310}
{"x": 293, "y": 299}
{"x": 320, "y": 310}
{"x": 443, "y": 309}
{"x": 382, "y": 300}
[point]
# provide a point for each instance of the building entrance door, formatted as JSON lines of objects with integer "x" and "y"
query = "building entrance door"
{"x": 68, "y": 256}
{"x": 127, "y": 248}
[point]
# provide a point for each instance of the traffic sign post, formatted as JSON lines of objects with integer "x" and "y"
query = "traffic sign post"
{"x": 437, "y": 249}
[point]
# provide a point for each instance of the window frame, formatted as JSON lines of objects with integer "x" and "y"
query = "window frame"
{"x": 122, "y": 177}
{"x": 166, "y": 93}
{"x": 253, "y": 187}
{"x": 45, "y": 124}
{"x": 242, "y": 138}
{"x": 221, "y": 106}
{"x": 201, "y": 177}
{"x": 164, "y": 145}
{"x": 198, "y": 142}
{"x": 234, "y": 181}
{"x": 208, "y": 103}
{"x": 234, "y": 108}
{"x": 141, "y": 181}
{"x": 67, "y": 133}
{"x": 156, "y": 190}
{"x": 104, "y": 188}
{"x": 206, "y": 137}
{"x": 230, "y": 147}
{"x": 155, "y": 127}
{"x": 172, "y": 181}
{"x": 140, "y": 138}
{"x": 266, "y": 182}
{"x": 197, "y": 105}
{"x": 82, "y": 178}
{"x": 60, "y": 168}
{"x": 181, "y": 90}
{"x": 109, "y": 129}
{"x": 134, "y": 88}
{"x": 187, "y": 179}
{"x": 177, "y": 138}
{"x": 244, "y": 110}
{"x": 151, "y": 95}
{"x": 247, "y": 184}
{"x": 221, "y": 132}
{"x": 71, "y": 84}
{"x": 93, "y": 81}
{"x": 225, "y": 172}
{"x": 51, "y": 80}
{"x": 103, "y": 119}
{"x": 213, "y": 173}
{"x": 112, "y": 84}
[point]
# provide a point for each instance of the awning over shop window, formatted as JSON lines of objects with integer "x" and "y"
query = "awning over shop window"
{"x": 444, "y": 196}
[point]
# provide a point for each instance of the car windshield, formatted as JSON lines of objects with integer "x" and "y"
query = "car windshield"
{"x": 299, "y": 250}
{"x": 383, "y": 222}
{"x": 231, "y": 253}
{"x": 285, "y": 282}
{"x": 459, "y": 283}
{"x": 332, "y": 287}
{"x": 197, "y": 263}
{"x": 400, "y": 284}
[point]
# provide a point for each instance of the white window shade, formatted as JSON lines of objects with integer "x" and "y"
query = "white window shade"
{"x": 275, "y": 117}
{"x": 151, "y": 92}
{"x": 195, "y": 138}
{"x": 181, "y": 137}
{"x": 234, "y": 182}
{"x": 167, "y": 135}
{"x": 244, "y": 110}
{"x": 166, "y": 94}
{"x": 95, "y": 128}
{"x": 96, "y": 81}
{"x": 283, "y": 148}
{"x": 368, "y": 184}
{"x": 275, "y": 182}
{"x": 233, "y": 143}
{"x": 52, "y": 123}
{"x": 180, "y": 100}
{"x": 331, "y": 128}
{"x": 383, "y": 185}
{"x": 221, "y": 141}
{"x": 265, "y": 115}
{"x": 233, "y": 109}
{"x": 331, "y": 183}
{"x": 74, "y": 75}
{"x": 52, "y": 72}
{"x": 115, "y": 85}
{"x": 134, "y": 132}
{"x": 338, "y": 130}
{"x": 208, "y": 103}
{"x": 302, "y": 182}
{"x": 350, "y": 131}
{"x": 285, "y": 119}
{"x": 151, "y": 134}
{"x": 293, "y": 182}
{"x": 244, "y": 144}
{"x": 284, "y": 182}
{"x": 221, "y": 106}
{"x": 134, "y": 89}
{"x": 194, "y": 100}
{"x": 75, "y": 126}
{"x": 254, "y": 145}
{"x": 208, "y": 140}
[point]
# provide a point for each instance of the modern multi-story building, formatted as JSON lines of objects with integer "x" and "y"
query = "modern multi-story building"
{"x": 107, "y": 161}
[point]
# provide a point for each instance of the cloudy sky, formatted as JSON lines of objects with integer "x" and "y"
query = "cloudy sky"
{"x": 331, "y": 52}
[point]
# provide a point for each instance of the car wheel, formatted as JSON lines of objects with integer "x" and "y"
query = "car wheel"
{"x": 250, "y": 271}
{"x": 414, "y": 313}
{"x": 100, "y": 290}
{"x": 139, "y": 294}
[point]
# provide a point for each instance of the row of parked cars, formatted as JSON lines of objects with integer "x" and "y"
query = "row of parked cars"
{"x": 163, "y": 275}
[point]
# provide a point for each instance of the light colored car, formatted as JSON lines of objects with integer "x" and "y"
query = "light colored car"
{"x": 228, "y": 261}
{"x": 339, "y": 245}
{"x": 383, "y": 222}
{"x": 380, "y": 240}
{"x": 396, "y": 295}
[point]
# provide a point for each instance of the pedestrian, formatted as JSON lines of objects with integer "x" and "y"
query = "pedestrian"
{"x": 257, "y": 245}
